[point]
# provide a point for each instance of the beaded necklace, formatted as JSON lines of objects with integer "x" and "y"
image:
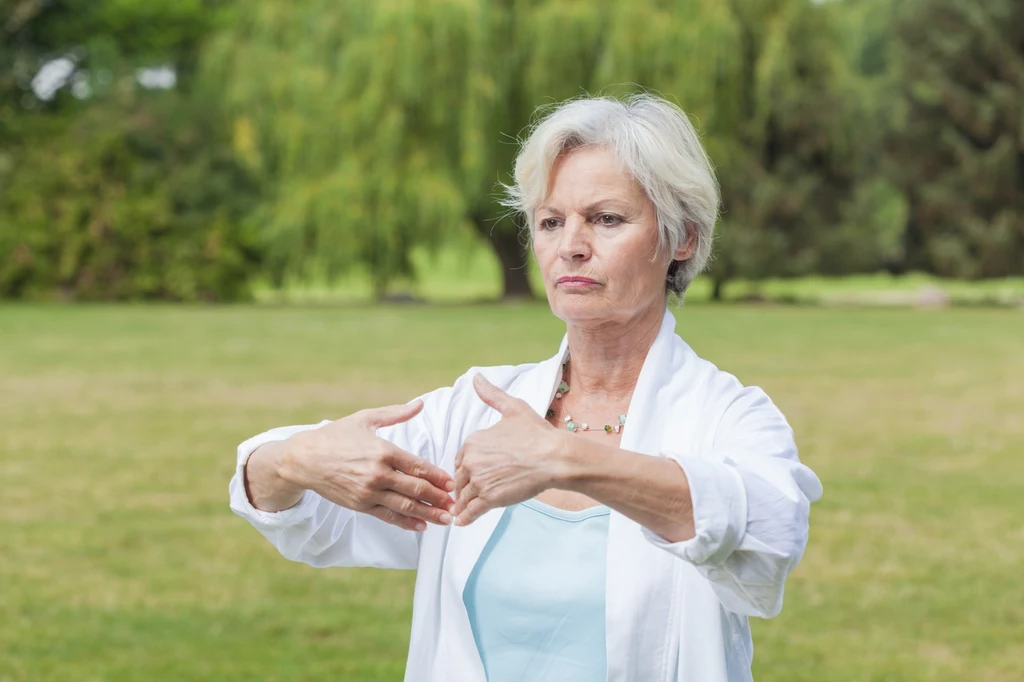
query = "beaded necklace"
{"x": 570, "y": 423}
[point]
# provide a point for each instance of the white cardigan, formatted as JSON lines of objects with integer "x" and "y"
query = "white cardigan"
{"x": 676, "y": 612}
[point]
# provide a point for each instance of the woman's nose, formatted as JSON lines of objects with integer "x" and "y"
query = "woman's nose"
{"x": 575, "y": 244}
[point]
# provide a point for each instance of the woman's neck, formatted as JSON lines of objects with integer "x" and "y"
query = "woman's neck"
{"x": 607, "y": 359}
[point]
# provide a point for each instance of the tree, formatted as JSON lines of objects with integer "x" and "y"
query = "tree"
{"x": 389, "y": 125}
{"x": 768, "y": 86}
{"x": 90, "y": 44}
{"x": 343, "y": 110}
{"x": 109, "y": 190}
{"x": 424, "y": 101}
{"x": 134, "y": 200}
{"x": 876, "y": 216}
{"x": 524, "y": 54}
{"x": 958, "y": 149}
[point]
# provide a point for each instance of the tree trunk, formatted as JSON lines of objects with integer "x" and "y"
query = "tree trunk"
{"x": 716, "y": 290}
{"x": 511, "y": 255}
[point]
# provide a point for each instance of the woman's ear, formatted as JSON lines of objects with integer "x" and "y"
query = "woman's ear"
{"x": 687, "y": 246}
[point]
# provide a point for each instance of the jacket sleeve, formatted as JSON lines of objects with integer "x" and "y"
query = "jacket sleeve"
{"x": 321, "y": 533}
{"x": 751, "y": 502}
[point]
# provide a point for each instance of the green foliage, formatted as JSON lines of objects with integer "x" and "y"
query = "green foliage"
{"x": 136, "y": 200}
{"x": 335, "y": 105}
{"x": 107, "y": 192}
{"x": 849, "y": 135}
{"x": 405, "y": 114}
{"x": 105, "y": 40}
{"x": 958, "y": 147}
{"x": 769, "y": 85}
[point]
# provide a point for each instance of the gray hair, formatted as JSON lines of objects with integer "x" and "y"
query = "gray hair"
{"x": 656, "y": 144}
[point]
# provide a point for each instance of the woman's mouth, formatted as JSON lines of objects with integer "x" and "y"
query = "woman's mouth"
{"x": 576, "y": 282}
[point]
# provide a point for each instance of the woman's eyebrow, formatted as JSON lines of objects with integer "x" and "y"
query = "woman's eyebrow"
{"x": 618, "y": 204}
{"x": 607, "y": 203}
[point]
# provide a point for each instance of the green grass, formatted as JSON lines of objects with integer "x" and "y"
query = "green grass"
{"x": 120, "y": 560}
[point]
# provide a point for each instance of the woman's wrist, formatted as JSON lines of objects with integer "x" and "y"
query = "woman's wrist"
{"x": 575, "y": 461}
{"x": 266, "y": 488}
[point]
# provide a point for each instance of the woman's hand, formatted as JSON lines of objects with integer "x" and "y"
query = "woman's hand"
{"x": 348, "y": 464}
{"x": 507, "y": 463}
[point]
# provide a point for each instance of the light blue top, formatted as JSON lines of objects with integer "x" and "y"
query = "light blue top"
{"x": 536, "y": 596}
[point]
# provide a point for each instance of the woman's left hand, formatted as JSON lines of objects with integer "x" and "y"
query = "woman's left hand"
{"x": 512, "y": 461}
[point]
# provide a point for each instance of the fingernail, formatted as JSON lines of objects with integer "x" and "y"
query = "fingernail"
{"x": 446, "y": 519}
{"x": 458, "y": 521}
{"x": 421, "y": 526}
{"x": 449, "y": 486}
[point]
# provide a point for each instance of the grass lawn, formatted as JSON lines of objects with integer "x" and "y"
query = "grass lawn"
{"x": 120, "y": 560}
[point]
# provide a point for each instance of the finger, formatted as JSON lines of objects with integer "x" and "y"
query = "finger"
{"x": 459, "y": 455}
{"x": 461, "y": 481}
{"x": 417, "y": 489}
{"x": 412, "y": 465}
{"x": 409, "y": 507}
{"x": 477, "y": 507}
{"x": 492, "y": 395}
{"x": 396, "y": 519}
{"x": 469, "y": 493}
{"x": 379, "y": 417}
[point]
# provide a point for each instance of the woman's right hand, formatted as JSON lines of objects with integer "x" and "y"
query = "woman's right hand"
{"x": 348, "y": 464}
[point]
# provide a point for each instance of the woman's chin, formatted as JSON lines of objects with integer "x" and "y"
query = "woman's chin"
{"x": 575, "y": 307}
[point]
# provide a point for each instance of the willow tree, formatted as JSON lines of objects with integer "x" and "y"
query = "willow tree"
{"x": 343, "y": 109}
{"x": 765, "y": 82}
{"x": 387, "y": 125}
{"x": 525, "y": 54}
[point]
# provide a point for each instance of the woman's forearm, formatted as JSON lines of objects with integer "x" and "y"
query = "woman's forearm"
{"x": 653, "y": 491}
{"x": 266, "y": 490}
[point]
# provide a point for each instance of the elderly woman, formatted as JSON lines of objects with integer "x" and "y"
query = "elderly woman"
{"x": 615, "y": 512}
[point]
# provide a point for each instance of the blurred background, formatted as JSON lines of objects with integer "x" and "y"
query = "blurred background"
{"x": 187, "y": 150}
{"x": 316, "y": 163}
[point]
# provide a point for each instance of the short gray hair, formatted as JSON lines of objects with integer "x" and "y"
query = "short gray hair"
{"x": 656, "y": 144}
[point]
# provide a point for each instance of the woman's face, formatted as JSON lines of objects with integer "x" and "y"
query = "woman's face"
{"x": 594, "y": 238}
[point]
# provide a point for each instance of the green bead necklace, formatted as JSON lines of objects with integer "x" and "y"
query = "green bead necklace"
{"x": 570, "y": 423}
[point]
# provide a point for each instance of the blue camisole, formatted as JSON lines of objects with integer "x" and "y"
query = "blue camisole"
{"x": 536, "y": 597}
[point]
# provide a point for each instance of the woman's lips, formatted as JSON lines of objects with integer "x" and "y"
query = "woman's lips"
{"x": 576, "y": 282}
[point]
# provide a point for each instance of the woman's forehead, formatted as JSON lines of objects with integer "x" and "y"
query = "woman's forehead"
{"x": 589, "y": 176}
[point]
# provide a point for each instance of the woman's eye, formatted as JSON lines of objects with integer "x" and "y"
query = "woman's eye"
{"x": 608, "y": 220}
{"x": 548, "y": 224}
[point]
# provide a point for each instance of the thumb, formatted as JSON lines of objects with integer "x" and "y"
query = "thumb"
{"x": 379, "y": 417}
{"x": 492, "y": 395}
